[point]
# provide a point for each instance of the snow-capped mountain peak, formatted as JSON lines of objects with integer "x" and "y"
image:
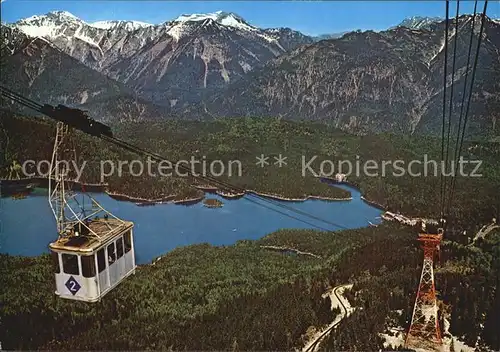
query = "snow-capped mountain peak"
{"x": 419, "y": 22}
{"x": 53, "y": 16}
{"x": 48, "y": 25}
{"x": 228, "y": 19}
{"x": 63, "y": 14}
{"x": 127, "y": 25}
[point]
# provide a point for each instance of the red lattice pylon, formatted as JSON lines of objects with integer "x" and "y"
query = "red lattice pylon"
{"x": 424, "y": 330}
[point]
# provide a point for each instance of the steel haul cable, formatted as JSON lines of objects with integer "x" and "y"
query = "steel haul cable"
{"x": 444, "y": 103}
{"x": 451, "y": 103}
{"x": 474, "y": 69}
{"x": 462, "y": 105}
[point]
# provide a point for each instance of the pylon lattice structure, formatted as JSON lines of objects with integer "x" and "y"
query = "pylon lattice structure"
{"x": 424, "y": 330}
{"x": 69, "y": 207}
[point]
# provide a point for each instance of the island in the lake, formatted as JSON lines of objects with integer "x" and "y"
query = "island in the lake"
{"x": 212, "y": 203}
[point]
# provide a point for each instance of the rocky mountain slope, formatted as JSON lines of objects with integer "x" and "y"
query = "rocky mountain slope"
{"x": 37, "y": 69}
{"x": 329, "y": 36}
{"x": 419, "y": 22}
{"x": 367, "y": 81}
{"x": 171, "y": 63}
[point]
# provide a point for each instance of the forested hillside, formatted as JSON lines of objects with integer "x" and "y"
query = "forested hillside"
{"x": 243, "y": 297}
{"x": 476, "y": 201}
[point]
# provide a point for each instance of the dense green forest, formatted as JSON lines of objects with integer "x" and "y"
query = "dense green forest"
{"x": 216, "y": 295}
{"x": 244, "y": 297}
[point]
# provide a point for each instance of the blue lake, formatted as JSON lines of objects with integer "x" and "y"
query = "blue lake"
{"x": 28, "y": 226}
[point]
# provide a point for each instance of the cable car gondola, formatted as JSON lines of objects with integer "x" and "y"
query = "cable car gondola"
{"x": 87, "y": 266}
{"x": 94, "y": 251}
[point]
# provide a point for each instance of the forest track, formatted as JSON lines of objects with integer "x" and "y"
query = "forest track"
{"x": 484, "y": 231}
{"x": 313, "y": 345}
{"x": 288, "y": 249}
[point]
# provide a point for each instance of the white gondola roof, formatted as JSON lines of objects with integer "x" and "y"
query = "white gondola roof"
{"x": 106, "y": 230}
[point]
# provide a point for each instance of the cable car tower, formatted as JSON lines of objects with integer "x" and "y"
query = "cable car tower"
{"x": 424, "y": 329}
{"x": 94, "y": 251}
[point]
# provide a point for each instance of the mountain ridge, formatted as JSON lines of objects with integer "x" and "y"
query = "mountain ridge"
{"x": 30, "y": 65}
{"x": 418, "y": 22}
{"x": 173, "y": 63}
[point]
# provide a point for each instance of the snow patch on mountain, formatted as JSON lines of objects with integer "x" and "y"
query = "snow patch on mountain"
{"x": 47, "y": 30}
{"x": 49, "y": 25}
{"x": 418, "y": 22}
{"x": 57, "y": 23}
{"x": 80, "y": 34}
{"x": 127, "y": 25}
{"x": 184, "y": 24}
{"x": 65, "y": 14}
{"x": 52, "y": 16}
{"x": 177, "y": 31}
{"x": 228, "y": 19}
{"x": 236, "y": 22}
{"x": 195, "y": 17}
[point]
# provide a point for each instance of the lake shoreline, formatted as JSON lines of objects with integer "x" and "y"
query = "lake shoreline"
{"x": 298, "y": 200}
{"x": 127, "y": 198}
{"x": 374, "y": 204}
{"x": 363, "y": 198}
{"x": 104, "y": 188}
{"x": 39, "y": 182}
{"x": 216, "y": 227}
{"x": 162, "y": 200}
{"x": 226, "y": 195}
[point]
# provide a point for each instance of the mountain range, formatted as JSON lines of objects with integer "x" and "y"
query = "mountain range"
{"x": 369, "y": 81}
{"x": 37, "y": 69}
{"x": 206, "y": 65}
{"x": 169, "y": 63}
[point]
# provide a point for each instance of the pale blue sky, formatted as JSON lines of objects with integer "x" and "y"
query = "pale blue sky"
{"x": 310, "y": 17}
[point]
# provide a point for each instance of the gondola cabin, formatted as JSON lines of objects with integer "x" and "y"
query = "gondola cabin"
{"x": 94, "y": 257}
